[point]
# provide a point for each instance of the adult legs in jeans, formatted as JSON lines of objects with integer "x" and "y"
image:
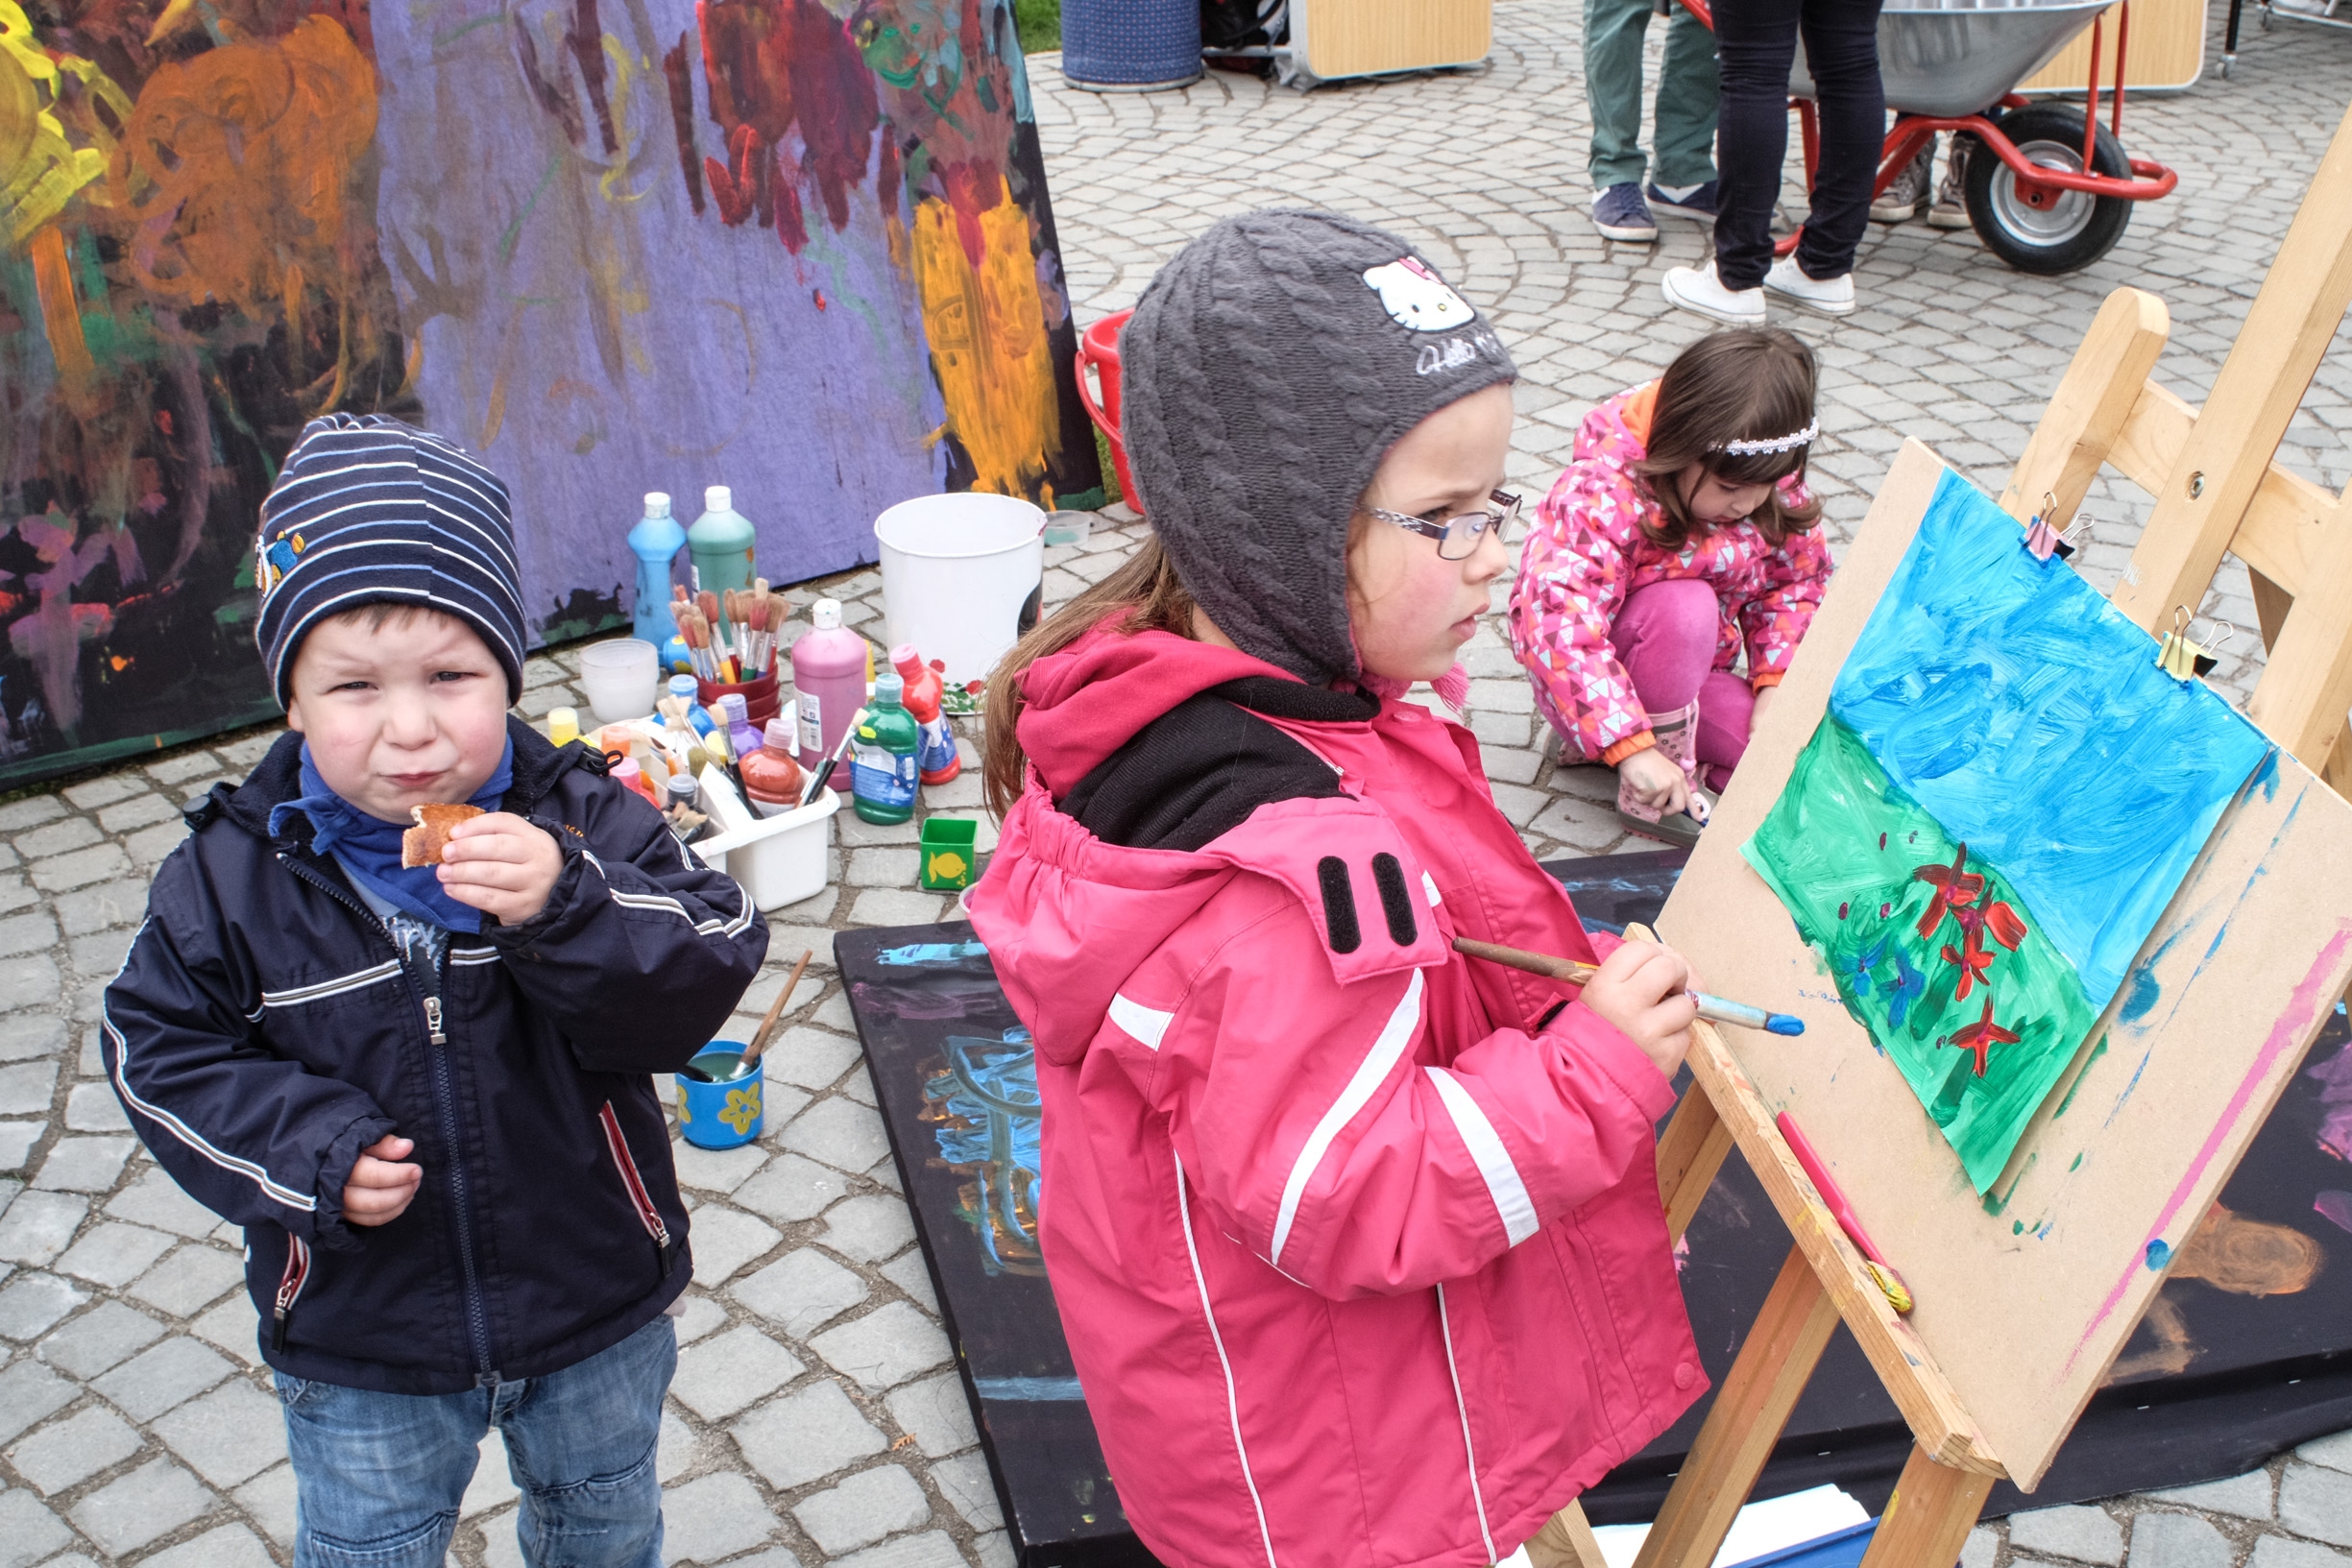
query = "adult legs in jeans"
{"x": 379, "y": 1477}
{"x": 1757, "y": 41}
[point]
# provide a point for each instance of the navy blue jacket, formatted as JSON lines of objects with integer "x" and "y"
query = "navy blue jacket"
{"x": 265, "y": 1029}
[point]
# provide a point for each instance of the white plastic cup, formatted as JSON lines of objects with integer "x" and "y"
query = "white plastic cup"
{"x": 621, "y": 677}
{"x": 961, "y": 577}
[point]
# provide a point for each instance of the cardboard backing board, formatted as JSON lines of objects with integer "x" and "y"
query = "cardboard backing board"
{"x": 2025, "y": 1295}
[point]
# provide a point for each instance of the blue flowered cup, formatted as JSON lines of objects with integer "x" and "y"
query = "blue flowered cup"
{"x": 726, "y": 1111}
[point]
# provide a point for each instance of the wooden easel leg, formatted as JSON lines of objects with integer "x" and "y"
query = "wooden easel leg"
{"x": 1750, "y": 1410}
{"x": 1567, "y": 1542}
{"x": 1688, "y": 1155}
{"x": 1927, "y": 1520}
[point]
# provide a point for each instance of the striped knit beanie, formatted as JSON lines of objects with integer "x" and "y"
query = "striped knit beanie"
{"x": 1266, "y": 373}
{"x": 370, "y": 511}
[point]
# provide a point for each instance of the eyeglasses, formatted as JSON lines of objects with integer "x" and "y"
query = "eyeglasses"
{"x": 1457, "y": 536}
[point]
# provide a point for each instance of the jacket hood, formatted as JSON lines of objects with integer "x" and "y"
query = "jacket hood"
{"x": 1091, "y": 698}
{"x": 278, "y": 779}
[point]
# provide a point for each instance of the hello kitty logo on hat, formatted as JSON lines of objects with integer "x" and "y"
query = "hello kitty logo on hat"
{"x": 1418, "y": 299}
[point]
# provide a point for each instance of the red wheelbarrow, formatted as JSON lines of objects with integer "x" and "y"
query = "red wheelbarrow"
{"x": 2047, "y": 192}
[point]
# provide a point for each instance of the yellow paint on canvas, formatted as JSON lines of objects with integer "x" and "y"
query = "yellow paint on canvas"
{"x": 986, "y": 329}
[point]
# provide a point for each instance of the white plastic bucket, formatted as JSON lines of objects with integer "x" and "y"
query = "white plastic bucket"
{"x": 961, "y": 577}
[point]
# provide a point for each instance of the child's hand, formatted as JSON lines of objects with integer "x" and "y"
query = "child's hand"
{"x": 501, "y": 866}
{"x": 1644, "y": 990}
{"x": 1658, "y": 783}
{"x": 382, "y": 1189}
{"x": 1766, "y": 696}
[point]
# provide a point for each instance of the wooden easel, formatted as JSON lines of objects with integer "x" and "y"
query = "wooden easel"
{"x": 2218, "y": 491}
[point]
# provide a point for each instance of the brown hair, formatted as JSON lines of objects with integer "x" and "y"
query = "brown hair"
{"x": 1147, "y": 597}
{"x": 1748, "y": 383}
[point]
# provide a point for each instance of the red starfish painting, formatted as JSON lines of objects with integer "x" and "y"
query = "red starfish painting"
{"x": 1982, "y": 1036}
{"x": 1955, "y": 888}
{"x": 1972, "y": 958}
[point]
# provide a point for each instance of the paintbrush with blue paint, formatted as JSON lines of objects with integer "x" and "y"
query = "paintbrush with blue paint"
{"x": 1714, "y": 1008}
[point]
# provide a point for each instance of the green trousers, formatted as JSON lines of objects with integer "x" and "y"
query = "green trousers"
{"x": 1686, "y": 130}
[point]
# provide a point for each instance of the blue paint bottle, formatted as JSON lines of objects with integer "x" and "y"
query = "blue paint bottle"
{"x": 655, "y": 541}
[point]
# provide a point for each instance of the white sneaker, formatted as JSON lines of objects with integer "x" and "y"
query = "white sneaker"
{"x": 1697, "y": 288}
{"x": 1831, "y": 296}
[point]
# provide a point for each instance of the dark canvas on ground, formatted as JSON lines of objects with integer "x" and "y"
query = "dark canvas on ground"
{"x": 2257, "y": 1373}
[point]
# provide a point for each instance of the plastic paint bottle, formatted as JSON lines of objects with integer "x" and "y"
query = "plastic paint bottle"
{"x": 882, "y": 770}
{"x": 741, "y": 738}
{"x": 655, "y": 541}
{"x": 722, "y": 542}
{"x": 562, "y": 726}
{"x": 771, "y": 777}
{"x": 936, "y": 758}
{"x": 629, "y": 776}
{"x": 829, "y": 677}
{"x": 697, "y": 717}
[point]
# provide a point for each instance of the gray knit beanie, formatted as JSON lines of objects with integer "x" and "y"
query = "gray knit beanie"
{"x": 1266, "y": 373}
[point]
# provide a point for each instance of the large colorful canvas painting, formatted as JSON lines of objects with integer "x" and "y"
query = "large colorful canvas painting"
{"x": 2005, "y": 794}
{"x": 801, "y": 247}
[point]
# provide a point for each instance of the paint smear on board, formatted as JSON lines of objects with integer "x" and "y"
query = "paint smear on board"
{"x": 2336, "y": 1207}
{"x": 2335, "y": 1097}
{"x": 987, "y": 327}
{"x": 2302, "y": 1009}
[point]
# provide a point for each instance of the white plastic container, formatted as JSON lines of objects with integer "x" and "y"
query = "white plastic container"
{"x": 778, "y": 860}
{"x": 621, "y": 678}
{"x": 961, "y": 577}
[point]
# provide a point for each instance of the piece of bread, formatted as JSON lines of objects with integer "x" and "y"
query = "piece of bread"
{"x": 422, "y": 845}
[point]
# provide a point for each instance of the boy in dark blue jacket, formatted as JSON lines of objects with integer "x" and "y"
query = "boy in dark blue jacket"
{"x": 423, "y": 1090}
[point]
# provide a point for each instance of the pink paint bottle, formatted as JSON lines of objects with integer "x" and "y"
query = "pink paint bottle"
{"x": 828, "y": 675}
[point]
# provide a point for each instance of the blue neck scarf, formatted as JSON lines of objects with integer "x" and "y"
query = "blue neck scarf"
{"x": 369, "y": 848}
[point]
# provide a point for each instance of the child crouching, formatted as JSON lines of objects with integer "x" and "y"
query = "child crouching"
{"x": 1681, "y": 533}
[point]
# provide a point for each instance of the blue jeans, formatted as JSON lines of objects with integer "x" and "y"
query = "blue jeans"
{"x": 379, "y": 1477}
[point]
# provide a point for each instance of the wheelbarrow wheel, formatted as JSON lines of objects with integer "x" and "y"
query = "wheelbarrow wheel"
{"x": 2064, "y": 229}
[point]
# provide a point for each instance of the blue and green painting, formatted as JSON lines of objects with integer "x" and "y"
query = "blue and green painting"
{"x": 2005, "y": 794}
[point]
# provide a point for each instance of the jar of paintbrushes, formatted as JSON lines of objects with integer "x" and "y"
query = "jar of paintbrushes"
{"x": 731, "y": 639}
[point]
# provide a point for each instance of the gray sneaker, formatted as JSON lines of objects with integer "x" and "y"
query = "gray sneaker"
{"x": 1951, "y": 208}
{"x": 1907, "y": 193}
{"x": 1620, "y": 213}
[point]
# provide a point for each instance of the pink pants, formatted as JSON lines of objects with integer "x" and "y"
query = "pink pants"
{"x": 1665, "y": 637}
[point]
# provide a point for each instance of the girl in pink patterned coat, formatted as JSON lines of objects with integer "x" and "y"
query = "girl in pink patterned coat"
{"x": 1681, "y": 532}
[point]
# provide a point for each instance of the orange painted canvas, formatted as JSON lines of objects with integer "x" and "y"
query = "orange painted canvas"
{"x": 798, "y": 247}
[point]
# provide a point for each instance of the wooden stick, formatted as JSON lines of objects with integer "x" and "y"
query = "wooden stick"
{"x": 775, "y": 1008}
{"x": 1929, "y": 1518}
{"x": 1718, "y": 1009}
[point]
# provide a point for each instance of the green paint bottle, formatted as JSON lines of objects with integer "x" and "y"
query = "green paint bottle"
{"x": 722, "y": 543}
{"x": 881, "y": 755}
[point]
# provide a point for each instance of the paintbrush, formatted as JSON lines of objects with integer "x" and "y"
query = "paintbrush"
{"x": 1890, "y": 1284}
{"x": 775, "y": 1010}
{"x": 824, "y": 769}
{"x": 1715, "y": 1008}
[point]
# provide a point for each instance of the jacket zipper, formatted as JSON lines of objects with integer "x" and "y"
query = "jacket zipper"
{"x": 648, "y": 1215}
{"x": 445, "y": 1096}
{"x": 289, "y": 1288}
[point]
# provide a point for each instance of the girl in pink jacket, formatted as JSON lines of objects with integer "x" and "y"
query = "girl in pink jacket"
{"x": 1356, "y": 1242}
{"x": 1681, "y": 532}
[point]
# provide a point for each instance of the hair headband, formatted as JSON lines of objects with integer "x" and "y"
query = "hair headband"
{"x": 1779, "y": 443}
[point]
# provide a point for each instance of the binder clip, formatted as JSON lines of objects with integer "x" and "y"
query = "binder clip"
{"x": 2182, "y": 658}
{"x": 2045, "y": 542}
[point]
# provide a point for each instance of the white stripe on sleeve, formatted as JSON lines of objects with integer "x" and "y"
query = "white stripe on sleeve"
{"x": 1373, "y": 1070}
{"x": 1486, "y": 1147}
{"x": 1148, "y": 1024}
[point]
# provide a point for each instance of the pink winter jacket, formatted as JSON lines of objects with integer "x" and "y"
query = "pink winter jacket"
{"x": 1586, "y": 553}
{"x": 1359, "y": 1265}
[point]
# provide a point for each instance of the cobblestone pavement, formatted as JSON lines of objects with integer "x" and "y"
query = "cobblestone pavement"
{"x": 816, "y": 1417}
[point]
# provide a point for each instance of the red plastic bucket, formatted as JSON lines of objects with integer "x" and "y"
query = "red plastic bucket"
{"x": 1099, "y": 349}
